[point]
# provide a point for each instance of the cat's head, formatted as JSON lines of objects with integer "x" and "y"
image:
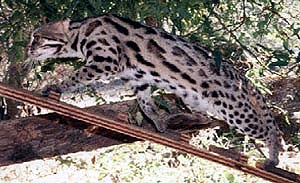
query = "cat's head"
{"x": 50, "y": 40}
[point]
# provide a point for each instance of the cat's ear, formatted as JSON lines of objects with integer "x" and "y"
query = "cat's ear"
{"x": 45, "y": 20}
{"x": 62, "y": 25}
{"x": 66, "y": 22}
{"x": 57, "y": 27}
{"x": 57, "y": 30}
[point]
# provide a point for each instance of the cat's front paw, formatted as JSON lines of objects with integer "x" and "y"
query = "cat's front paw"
{"x": 269, "y": 164}
{"x": 45, "y": 92}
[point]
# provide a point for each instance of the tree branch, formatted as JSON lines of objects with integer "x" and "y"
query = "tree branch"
{"x": 242, "y": 45}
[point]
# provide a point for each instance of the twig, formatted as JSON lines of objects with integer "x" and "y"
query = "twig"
{"x": 242, "y": 45}
{"x": 276, "y": 13}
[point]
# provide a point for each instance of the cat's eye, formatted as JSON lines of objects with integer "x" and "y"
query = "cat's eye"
{"x": 37, "y": 38}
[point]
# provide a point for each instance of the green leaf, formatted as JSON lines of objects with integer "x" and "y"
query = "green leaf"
{"x": 286, "y": 44}
{"x": 5, "y": 36}
{"x": 281, "y": 56}
{"x": 16, "y": 17}
{"x": 298, "y": 57}
{"x": 161, "y": 103}
{"x": 38, "y": 76}
{"x": 278, "y": 63}
{"x": 47, "y": 67}
{"x": 296, "y": 31}
{"x": 229, "y": 177}
{"x": 9, "y": 3}
{"x": 139, "y": 118}
{"x": 218, "y": 58}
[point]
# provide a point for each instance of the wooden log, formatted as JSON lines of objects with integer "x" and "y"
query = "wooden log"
{"x": 50, "y": 135}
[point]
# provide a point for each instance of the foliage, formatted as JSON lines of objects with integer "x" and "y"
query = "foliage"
{"x": 264, "y": 32}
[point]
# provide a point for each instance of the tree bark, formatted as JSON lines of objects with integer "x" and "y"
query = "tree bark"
{"x": 51, "y": 135}
{"x": 39, "y": 137}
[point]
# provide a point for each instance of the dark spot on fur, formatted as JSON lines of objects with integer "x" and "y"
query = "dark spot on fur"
{"x": 107, "y": 68}
{"x": 181, "y": 86}
{"x": 99, "y": 58}
{"x": 214, "y": 94}
{"x": 133, "y": 46}
{"x": 202, "y": 51}
{"x": 188, "y": 78}
{"x": 218, "y": 82}
{"x": 177, "y": 51}
{"x": 238, "y": 121}
{"x": 141, "y": 88}
{"x": 141, "y": 60}
{"x": 138, "y": 75}
{"x": 205, "y": 93}
{"x": 95, "y": 67}
{"x": 92, "y": 26}
{"x": 221, "y": 94}
{"x": 204, "y": 84}
{"x": 112, "y": 50}
{"x": 134, "y": 24}
{"x": 154, "y": 73}
{"x": 140, "y": 36}
{"x": 226, "y": 84}
{"x": 116, "y": 39}
{"x": 117, "y": 26}
{"x": 141, "y": 72}
{"x": 181, "y": 53}
{"x": 90, "y": 44}
{"x": 167, "y": 36}
{"x": 232, "y": 98}
{"x": 103, "y": 41}
{"x": 89, "y": 53}
{"x": 171, "y": 66}
{"x": 201, "y": 72}
{"x": 165, "y": 80}
{"x": 157, "y": 80}
{"x": 218, "y": 102}
{"x": 74, "y": 44}
{"x": 182, "y": 39}
{"x": 150, "y": 30}
{"x": 223, "y": 111}
{"x": 90, "y": 75}
{"x": 172, "y": 87}
{"x": 82, "y": 43}
{"x": 185, "y": 95}
{"x": 153, "y": 47}
{"x": 214, "y": 68}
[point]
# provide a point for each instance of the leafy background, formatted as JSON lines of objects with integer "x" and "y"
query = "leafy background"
{"x": 261, "y": 38}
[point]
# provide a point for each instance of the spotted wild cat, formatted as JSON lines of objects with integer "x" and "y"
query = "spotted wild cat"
{"x": 145, "y": 56}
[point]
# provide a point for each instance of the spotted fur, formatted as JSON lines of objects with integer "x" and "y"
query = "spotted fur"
{"x": 145, "y": 56}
